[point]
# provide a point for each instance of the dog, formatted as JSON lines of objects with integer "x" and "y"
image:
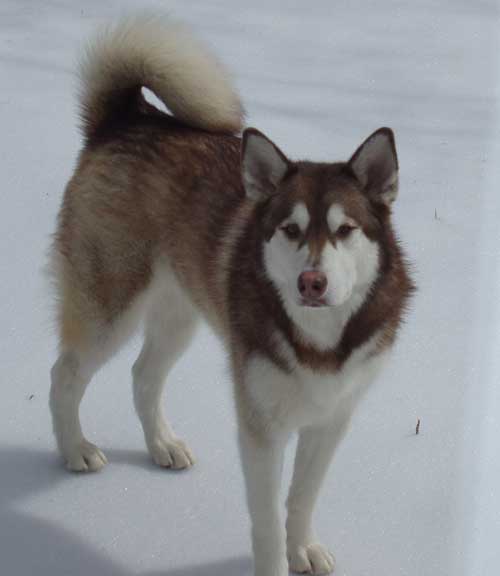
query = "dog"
{"x": 171, "y": 217}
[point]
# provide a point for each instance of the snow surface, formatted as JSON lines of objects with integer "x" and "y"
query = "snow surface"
{"x": 317, "y": 77}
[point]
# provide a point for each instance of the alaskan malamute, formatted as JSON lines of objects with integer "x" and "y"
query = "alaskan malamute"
{"x": 294, "y": 264}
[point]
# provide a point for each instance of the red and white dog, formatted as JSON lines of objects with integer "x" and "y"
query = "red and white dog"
{"x": 173, "y": 218}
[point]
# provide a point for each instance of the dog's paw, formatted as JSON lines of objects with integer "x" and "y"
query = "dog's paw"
{"x": 310, "y": 559}
{"x": 84, "y": 457}
{"x": 171, "y": 453}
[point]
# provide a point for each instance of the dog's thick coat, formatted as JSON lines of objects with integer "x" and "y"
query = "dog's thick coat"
{"x": 295, "y": 265}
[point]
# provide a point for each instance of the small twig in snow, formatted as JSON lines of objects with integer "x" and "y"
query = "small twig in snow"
{"x": 417, "y": 429}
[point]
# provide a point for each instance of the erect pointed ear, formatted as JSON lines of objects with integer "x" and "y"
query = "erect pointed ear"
{"x": 375, "y": 165}
{"x": 263, "y": 165}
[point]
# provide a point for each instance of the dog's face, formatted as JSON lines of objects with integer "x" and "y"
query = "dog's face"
{"x": 321, "y": 222}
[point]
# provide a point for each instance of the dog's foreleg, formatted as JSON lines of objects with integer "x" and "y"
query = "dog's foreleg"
{"x": 314, "y": 453}
{"x": 262, "y": 460}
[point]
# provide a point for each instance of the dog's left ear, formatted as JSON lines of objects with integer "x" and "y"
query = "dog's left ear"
{"x": 375, "y": 165}
{"x": 263, "y": 165}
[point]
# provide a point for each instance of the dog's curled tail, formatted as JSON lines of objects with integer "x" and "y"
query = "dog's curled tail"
{"x": 163, "y": 56}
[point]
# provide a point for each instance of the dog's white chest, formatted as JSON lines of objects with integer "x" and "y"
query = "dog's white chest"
{"x": 305, "y": 397}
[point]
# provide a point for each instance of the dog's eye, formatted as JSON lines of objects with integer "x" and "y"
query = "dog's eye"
{"x": 344, "y": 230}
{"x": 292, "y": 231}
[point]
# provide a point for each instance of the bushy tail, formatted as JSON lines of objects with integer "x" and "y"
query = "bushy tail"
{"x": 163, "y": 56}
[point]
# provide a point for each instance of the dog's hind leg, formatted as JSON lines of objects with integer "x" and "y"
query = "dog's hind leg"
{"x": 170, "y": 324}
{"x": 85, "y": 345}
{"x": 70, "y": 376}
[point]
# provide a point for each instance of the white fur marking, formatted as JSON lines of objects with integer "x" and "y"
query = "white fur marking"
{"x": 302, "y": 399}
{"x": 169, "y": 326}
{"x": 351, "y": 268}
{"x": 299, "y": 216}
{"x": 336, "y": 217}
{"x": 262, "y": 468}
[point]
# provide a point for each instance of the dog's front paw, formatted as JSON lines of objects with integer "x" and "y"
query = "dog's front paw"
{"x": 171, "y": 453}
{"x": 310, "y": 559}
{"x": 84, "y": 457}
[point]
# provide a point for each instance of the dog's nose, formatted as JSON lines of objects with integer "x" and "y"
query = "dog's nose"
{"x": 312, "y": 284}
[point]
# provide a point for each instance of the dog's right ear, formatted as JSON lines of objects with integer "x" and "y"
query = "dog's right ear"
{"x": 263, "y": 165}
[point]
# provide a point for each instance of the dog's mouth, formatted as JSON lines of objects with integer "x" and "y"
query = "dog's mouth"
{"x": 313, "y": 303}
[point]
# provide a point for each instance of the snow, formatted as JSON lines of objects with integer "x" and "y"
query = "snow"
{"x": 318, "y": 77}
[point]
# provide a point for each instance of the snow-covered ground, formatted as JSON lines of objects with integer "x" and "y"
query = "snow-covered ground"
{"x": 318, "y": 77}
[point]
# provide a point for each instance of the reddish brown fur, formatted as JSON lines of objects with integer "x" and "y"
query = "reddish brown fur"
{"x": 147, "y": 186}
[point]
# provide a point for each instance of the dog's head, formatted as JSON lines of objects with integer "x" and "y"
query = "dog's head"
{"x": 321, "y": 223}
